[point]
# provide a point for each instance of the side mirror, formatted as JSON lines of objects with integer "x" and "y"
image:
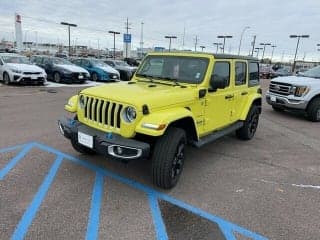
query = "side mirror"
{"x": 217, "y": 83}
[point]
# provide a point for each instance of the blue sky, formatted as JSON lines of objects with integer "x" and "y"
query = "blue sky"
{"x": 272, "y": 21}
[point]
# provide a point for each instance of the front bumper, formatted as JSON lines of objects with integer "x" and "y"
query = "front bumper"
{"x": 107, "y": 144}
{"x": 75, "y": 77}
{"x": 285, "y": 102}
{"x": 29, "y": 79}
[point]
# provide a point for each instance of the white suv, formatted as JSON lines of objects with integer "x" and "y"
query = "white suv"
{"x": 18, "y": 69}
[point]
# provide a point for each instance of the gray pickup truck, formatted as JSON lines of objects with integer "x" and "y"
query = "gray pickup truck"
{"x": 298, "y": 93}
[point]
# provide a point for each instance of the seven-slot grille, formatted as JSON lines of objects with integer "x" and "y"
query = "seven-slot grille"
{"x": 103, "y": 112}
{"x": 280, "y": 88}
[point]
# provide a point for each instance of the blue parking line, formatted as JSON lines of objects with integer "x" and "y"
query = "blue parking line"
{"x": 160, "y": 228}
{"x": 32, "y": 210}
{"x": 13, "y": 162}
{"x": 227, "y": 228}
{"x": 3, "y": 150}
{"x": 94, "y": 215}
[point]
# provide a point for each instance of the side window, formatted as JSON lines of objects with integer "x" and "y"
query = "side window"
{"x": 221, "y": 71}
{"x": 253, "y": 74}
{"x": 241, "y": 73}
{"x": 1, "y": 63}
{"x": 110, "y": 63}
{"x": 85, "y": 63}
{"x": 46, "y": 61}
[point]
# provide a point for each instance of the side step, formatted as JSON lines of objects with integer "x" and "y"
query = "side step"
{"x": 218, "y": 134}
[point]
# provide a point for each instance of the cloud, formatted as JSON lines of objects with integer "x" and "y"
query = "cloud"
{"x": 272, "y": 21}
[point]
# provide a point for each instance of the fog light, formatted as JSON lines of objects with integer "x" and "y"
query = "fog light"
{"x": 119, "y": 150}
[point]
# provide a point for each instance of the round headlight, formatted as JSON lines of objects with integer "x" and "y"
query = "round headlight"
{"x": 82, "y": 101}
{"x": 130, "y": 114}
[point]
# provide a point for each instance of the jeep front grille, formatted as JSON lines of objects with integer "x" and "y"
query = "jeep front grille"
{"x": 103, "y": 112}
{"x": 280, "y": 88}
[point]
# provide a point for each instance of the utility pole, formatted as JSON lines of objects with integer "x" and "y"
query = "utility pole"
{"x": 253, "y": 44}
{"x": 184, "y": 34}
{"x": 127, "y": 31}
{"x": 69, "y": 25}
{"x": 141, "y": 40}
{"x": 202, "y": 47}
{"x": 196, "y": 43}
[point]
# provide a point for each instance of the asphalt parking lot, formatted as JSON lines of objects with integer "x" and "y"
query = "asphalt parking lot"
{"x": 267, "y": 188}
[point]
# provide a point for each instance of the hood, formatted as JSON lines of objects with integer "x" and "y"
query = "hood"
{"x": 72, "y": 68}
{"x": 108, "y": 69}
{"x": 140, "y": 93}
{"x": 297, "y": 80}
{"x": 25, "y": 67}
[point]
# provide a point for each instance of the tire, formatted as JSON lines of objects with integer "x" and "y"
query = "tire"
{"x": 168, "y": 158}
{"x": 277, "y": 109}
{"x": 57, "y": 77}
{"x": 250, "y": 124}
{"x": 6, "y": 78}
{"x": 313, "y": 110}
{"x": 95, "y": 77}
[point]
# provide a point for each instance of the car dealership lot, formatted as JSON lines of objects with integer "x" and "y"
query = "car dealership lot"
{"x": 269, "y": 185}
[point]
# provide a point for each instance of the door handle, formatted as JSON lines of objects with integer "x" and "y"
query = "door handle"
{"x": 244, "y": 93}
{"x": 229, "y": 96}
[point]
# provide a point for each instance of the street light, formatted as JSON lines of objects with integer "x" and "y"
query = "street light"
{"x": 244, "y": 29}
{"x": 258, "y": 50}
{"x": 114, "y": 42}
{"x": 264, "y": 48}
{"x": 224, "y": 40}
{"x": 69, "y": 25}
{"x": 170, "y": 37}
{"x": 295, "y": 55}
{"x": 202, "y": 47}
{"x": 217, "y": 45}
{"x": 273, "y": 47}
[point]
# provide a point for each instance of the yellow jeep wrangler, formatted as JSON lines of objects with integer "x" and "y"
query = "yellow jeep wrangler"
{"x": 174, "y": 99}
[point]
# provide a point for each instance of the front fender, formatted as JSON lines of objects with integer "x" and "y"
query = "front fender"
{"x": 250, "y": 100}
{"x": 72, "y": 104}
{"x": 162, "y": 119}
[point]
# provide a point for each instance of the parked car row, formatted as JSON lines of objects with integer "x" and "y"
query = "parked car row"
{"x": 39, "y": 68}
{"x": 268, "y": 72}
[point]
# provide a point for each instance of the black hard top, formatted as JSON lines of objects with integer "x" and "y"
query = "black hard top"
{"x": 230, "y": 56}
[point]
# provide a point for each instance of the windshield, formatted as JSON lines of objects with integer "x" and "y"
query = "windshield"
{"x": 98, "y": 63}
{"x": 121, "y": 63}
{"x": 61, "y": 61}
{"x": 15, "y": 59}
{"x": 313, "y": 73}
{"x": 180, "y": 69}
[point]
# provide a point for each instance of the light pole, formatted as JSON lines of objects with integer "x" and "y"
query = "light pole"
{"x": 258, "y": 50}
{"x": 224, "y": 40}
{"x": 264, "y": 48}
{"x": 244, "y": 29}
{"x": 217, "y": 45}
{"x": 273, "y": 47}
{"x": 295, "y": 55}
{"x": 170, "y": 37}
{"x": 202, "y": 47}
{"x": 114, "y": 42}
{"x": 69, "y": 25}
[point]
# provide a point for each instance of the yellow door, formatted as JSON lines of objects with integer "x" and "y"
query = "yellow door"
{"x": 219, "y": 102}
{"x": 240, "y": 88}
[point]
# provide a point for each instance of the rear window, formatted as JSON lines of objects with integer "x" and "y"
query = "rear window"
{"x": 253, "y": 74}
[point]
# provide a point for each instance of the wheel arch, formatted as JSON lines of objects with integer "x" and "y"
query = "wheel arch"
{"x": 313, "y": 98}
{"x": 255, "y": 100}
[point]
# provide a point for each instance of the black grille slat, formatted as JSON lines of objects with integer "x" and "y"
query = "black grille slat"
{"x": 118, "y": 116}
{"x": 106, "y": 113}
{"x": 280, "y": 88}
{"x": 100, "y": 111}
{"x": 112, "y": 115}
{"x": 103, "y": 112}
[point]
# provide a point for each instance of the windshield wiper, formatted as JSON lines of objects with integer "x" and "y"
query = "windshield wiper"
{"x": 174, "y": 80}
